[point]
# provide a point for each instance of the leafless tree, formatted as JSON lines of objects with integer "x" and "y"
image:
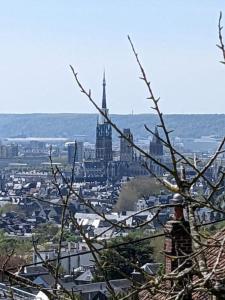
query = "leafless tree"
{"x": 200, "y": 276}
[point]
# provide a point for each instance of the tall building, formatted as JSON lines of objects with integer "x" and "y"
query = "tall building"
{"x": 156, "y": 150}
{"x": 79, "y": 155}
{"x": 12, "y": 150}
{"x": 103, "y": 146}
{"x": 126, "y": 149}
{"x": 8, "y": 151}
{"x": 156, "y": 145}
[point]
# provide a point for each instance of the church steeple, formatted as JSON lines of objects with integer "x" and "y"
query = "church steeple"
{"x": 103, "y": 146}
{"x": 155, "y": 138}
{"x": 104, "y": 106}
{"x": 104, "y": 93}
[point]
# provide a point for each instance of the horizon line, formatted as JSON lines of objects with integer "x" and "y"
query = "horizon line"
{"x": 96, "y": 113}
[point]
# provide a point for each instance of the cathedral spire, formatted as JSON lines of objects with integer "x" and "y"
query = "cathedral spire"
{"x": 104, "y": 106}
{"x": 155, "y": 138}
{"x": 104, "y": 93}
{"x": 156, "y": 130}
{"x": 103, "y": 146}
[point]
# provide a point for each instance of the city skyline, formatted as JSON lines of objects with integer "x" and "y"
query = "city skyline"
{"x": 176, "y": 42}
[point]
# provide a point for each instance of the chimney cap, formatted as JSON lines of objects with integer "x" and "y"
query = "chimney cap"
{"x": 177, "y": 199}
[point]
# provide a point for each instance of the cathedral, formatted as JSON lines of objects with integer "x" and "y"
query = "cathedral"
{"x": 130, "y": 163}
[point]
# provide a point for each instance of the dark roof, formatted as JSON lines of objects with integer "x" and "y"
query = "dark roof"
{"x": 47, "y": 278}
{"x": 86, "y": 276}
{"x": 117, "y": 284}
{"x": 36, "y": 270}
{"x": 151, "y": 268}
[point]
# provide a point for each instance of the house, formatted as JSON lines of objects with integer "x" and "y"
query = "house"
{"x": 178, "y": 245}
{"x": 99, "y": 290}
{"x": 151, "y": 268}
{"x": 85, "y": 277}
{"x": 46, "y": 281}
{"x": 74, "y": 256}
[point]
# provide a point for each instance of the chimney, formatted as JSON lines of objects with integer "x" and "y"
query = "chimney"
{"x": 178, "y": 243}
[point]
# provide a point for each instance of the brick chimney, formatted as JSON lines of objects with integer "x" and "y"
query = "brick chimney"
{"x": 178, "y": 242}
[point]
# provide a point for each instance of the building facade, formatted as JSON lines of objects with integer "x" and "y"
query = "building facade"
{"x": 156, "y": 151}
{"x": 77, "y": 151}
{"x": 126, "y": 148}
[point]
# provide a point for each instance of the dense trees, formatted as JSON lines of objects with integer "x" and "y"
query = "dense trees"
{"x": 20, "y": 246}
{"x": 121, "y": 262}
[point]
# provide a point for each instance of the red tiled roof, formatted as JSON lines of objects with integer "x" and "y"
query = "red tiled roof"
{"x": 211, "y": 254}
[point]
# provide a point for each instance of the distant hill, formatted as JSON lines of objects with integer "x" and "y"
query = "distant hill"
{"x": 69, "y": 125}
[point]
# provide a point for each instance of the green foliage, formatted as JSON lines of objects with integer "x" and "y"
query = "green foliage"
{"x": 71, "y": 237}
{"x": 19, "y": 245}
{"x": 12, "y": 207}
{"x": 213, "y": 228}
{"x": 117, "y": 262}
{"x": 158, "y": 246}
{"x": 46, "y": 232}
{"x": 51, "y": 232}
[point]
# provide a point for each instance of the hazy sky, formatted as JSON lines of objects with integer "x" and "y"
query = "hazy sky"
{"x": 176, "y": 41}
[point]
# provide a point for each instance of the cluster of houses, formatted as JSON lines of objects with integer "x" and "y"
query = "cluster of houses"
{"x": 29, "y": 199}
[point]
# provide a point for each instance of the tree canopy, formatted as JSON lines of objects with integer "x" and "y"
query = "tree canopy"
{"x": 120, "y": 262}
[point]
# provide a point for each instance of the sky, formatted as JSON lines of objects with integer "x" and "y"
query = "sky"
{"x": 176, "y": 42}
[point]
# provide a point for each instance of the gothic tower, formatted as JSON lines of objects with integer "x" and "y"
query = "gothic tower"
{"x": 156, "y": 150}
{"x": 103, "y": 146}
{"x": 126, "y": 149}
{"x": 156, "y": 145}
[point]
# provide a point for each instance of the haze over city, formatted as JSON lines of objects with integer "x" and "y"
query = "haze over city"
{"x": 176, "y": 42}
{"x": 112, "y": 187}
